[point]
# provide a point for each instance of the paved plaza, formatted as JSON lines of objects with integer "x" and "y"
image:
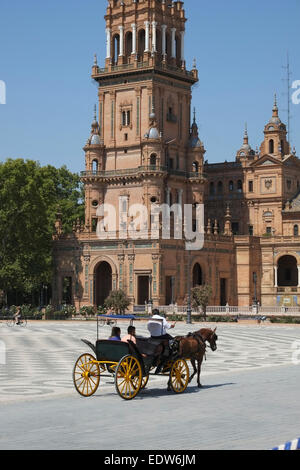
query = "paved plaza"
{"x": 249, "y": 398}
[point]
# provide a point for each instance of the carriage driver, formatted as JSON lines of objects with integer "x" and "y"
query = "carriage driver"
{"x": 158, "y": 326}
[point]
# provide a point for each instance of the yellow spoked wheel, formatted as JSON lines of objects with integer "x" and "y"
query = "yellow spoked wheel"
{"x": 179, "y": 376}
{"x": 86, "y": 375}
{"x": 144, "y": 381}
{"x": 128, "y": 377}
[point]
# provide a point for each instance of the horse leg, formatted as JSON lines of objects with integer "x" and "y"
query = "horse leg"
{"x": 199, "y": 371}
{"x": 193, "y": 362}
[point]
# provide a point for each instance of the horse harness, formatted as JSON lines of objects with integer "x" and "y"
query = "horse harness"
{"x": 198, "y": 337}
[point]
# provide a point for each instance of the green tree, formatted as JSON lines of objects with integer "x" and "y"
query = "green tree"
{"x": 201, "y": 296}
{"x": 117, "y": 301}
{"x": 30, "y": 196}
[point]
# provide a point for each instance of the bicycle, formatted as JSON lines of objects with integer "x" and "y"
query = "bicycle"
{"x": 12, "y": 322}
{"x": 107, "y": 322}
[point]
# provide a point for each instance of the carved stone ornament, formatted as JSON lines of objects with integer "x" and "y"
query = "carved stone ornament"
{"x": 268, "y": 184}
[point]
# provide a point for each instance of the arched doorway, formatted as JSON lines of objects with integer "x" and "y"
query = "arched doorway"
{"x": 197, "y": 275}
{"x": 287, "y": 271}
{"x": 103, "y": 282}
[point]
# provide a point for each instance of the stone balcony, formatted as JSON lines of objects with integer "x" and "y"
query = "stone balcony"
{"x": 99, "y": 73}
{"x": 137, "y": 172}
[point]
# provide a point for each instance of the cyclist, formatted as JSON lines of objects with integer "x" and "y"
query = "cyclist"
{"x": 17, "y": 316}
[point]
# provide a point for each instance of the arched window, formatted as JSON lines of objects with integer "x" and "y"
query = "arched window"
{"x": 116, "y": 48}
{"x": 282, "y": 147}
{"x": 158, "y": 42}
{"x": 141, "y": 44}
{"x": 197, "y": 275}
{"x": 95, "y": 166}
{"x": 211, "y": 189}
{"x": 178, "y": 50}
{"x": 231, "y": 186}
{"x": 240, "y": 186}
{"x": 128, "y": 45}
{"x": 287, "y": 271}
{"x": 153, "y": 160}
{"x": 168, "y": 45}
{"x": 195, "y": 167}
{"x": 296, "y": 230}
{"x": 220, "y": 187}
{"x": 271, "y": 146}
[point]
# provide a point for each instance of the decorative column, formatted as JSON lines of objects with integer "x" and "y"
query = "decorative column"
{"x": 173, "y": 30}
{"x": 276, "y": 276}
{"x": 298, "y": 276}
{"x": 154, "y": 24}
{"x": 164, "y": 40}
{"x": 108, "y": 43}
{"x": 133, "y": 38}
{"x": 121, "y": 28}
{"x": 147, "y": 36}
{"x": 182, "y": 33}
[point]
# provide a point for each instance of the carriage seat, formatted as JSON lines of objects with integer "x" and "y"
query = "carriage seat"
{"x": 148, "y": 346}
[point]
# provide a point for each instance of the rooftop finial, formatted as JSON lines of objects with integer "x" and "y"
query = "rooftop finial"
{"x": 275, "y": 108}
{"x": 194, "y": 115}
{"x": 95, "y": 112}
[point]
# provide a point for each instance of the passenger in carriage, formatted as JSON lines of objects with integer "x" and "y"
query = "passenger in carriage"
{"x": 115, "y": 334}
{"x": 130, "y": 336}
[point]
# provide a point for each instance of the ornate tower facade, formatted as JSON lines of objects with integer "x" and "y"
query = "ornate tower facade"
{"x": 142, "y": 150}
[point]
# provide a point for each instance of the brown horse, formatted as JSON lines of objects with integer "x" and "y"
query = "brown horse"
{"x": 193, "y": 347}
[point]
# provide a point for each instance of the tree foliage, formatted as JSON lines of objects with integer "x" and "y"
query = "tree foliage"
{"x": 201, "y": 296}
{"x": 30, "y": 197}
{"x": 117, "y": 301}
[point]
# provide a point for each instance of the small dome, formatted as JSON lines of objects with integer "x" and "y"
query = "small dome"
{"x": 95, "y": 139}
{"x": 153, "y": 133}
{"x": 195, "y": 142}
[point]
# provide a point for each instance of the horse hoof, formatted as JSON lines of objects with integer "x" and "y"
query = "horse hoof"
{"x": 199, "y": 385}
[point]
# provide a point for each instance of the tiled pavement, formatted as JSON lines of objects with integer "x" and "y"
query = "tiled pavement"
{"x": 40, "y": 358}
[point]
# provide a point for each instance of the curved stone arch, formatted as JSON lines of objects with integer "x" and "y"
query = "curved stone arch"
{"x": 100, "y": 259}
{"x": 287, "y": 253}
{"x": 203, "y": 267}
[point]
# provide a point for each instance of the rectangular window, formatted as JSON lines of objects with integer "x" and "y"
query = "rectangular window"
{"x": 269, "y": 230}
{"x": 251, "y": 230}
{"x": 250, "y": 186}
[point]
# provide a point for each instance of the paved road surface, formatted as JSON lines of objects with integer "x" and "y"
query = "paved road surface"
{"x": 250, "y": 398}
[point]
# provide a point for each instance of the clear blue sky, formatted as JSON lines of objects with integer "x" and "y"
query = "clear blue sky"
{"x": 46, "y": 54}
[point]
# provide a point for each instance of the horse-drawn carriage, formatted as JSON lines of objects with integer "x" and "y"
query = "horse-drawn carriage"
{"x": 131, "y": 366}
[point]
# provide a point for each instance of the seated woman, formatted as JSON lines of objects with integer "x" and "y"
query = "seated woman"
{"x": 115, "y": 334}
